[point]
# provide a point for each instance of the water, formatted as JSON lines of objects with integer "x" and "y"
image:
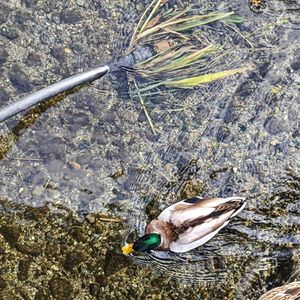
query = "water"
{"x": 93, "y": 156}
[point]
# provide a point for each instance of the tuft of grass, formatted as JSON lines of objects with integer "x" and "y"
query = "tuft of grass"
{"x": 180, "y": 59}
{"x": 185, "y": 59}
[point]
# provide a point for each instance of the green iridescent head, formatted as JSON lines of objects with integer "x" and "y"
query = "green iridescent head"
{"x": 147, "y": 242}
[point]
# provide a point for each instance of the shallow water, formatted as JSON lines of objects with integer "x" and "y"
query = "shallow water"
{"x": 92, "y": 157}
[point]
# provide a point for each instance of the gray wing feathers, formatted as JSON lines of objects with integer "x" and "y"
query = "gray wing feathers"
{"x": 200, "y": 219}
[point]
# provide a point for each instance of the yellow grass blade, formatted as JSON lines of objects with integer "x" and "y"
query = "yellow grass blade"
{"x": 163, "y": 57}
{"x": 140, "y": 21}
{"x": 206, "y": 78}
{"x": 212, "y": 16}
{"x": 154, "y": 10}
{"x": 187, "y": 60}
{"x": 191, "y": 24}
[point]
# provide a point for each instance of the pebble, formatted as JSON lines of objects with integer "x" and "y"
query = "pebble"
{"x": 30, "y": 2}
{"x": 59, "y": 53}
{"x": 60, "y": 288}
{"x": 70, "y": 16}
{"x": 3, "y": 283}
{"x": 4, "y": 96}
{"x": 274, "y": 125}
{"x": 33, "y": 249}
{"x": 11, "y": 234}
{"x": 38, "y": 190}
{"x": 9, "y": 32}
{"x": 55, "y": 268}
{"x": 19, "y": 80}
{"x": 33, "y": 59}
{"x": 23, "y": 269}
{"x": 91, "y": 218}
{"x": 80, "y": 2}
{"x": 74, "y": 165}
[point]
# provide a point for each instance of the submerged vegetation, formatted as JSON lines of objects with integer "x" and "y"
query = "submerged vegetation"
{"x": 183, "y": 57}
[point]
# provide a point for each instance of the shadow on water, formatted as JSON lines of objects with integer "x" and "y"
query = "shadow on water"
{"x": 95, "y": 152}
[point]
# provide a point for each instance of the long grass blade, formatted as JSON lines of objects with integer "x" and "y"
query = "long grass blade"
{"x": 156, "y": 58}
{"x": 180, "y": 14}
{"x": 206, "y": 78}
{"x": 150, "y": 87}
{"x": 187, "y": 60}
{"x": 145, "y": 109}
{"x": 140, "y": 21}
{"x": 184, "y": 37}
{"x": 234, "y": 19}
{"x": 191, "y": 24}
{"x": 164, "y": 58}
{"x": 154, "y": 10}
{"x": 215, "y": 16}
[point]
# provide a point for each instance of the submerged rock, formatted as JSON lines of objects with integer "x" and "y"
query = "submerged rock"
{"x": 11, "y": 234}
{"x": 23, "y": 269}
{"x": 61, "y": 288}
{"x": 19, "y": 80}
{"x": 70, "y": 16}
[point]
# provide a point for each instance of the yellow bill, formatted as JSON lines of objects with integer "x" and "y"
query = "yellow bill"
{"x": 127, "y": 249}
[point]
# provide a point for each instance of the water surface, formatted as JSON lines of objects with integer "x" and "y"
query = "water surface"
{"x": 88, "y": 172}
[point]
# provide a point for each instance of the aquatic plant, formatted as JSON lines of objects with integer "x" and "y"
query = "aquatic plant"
{"x": 181, "y": 58}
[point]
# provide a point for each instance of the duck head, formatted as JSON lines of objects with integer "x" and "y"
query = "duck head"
{"x": 147, "y": 242}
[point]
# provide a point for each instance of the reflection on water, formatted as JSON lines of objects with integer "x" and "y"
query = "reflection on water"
{"x": 94, "y": 152}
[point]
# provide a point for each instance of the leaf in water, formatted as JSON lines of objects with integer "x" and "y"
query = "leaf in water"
{"x": 206, "y": 78}
{"x": 153, "y": 21}
{"x": 162, "y": 45}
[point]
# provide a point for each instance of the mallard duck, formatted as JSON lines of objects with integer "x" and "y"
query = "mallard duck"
{"x": 187, "y": 224}
{"x": 289, "y": 291}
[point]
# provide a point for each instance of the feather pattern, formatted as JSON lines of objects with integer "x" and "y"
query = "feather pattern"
{"x": 289, "y": 291}
{"x": 192, "y": 222}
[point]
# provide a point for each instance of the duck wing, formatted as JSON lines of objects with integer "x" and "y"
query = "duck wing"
{"x": 290, "y": 291}
{"x": 197, "y": 220}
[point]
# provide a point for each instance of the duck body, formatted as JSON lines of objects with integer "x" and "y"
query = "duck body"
{"x": 188, "y": 224}
{"x": 289, "y": 291}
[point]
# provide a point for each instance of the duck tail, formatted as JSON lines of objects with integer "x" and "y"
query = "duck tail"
{"x": 241, "y": 203}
